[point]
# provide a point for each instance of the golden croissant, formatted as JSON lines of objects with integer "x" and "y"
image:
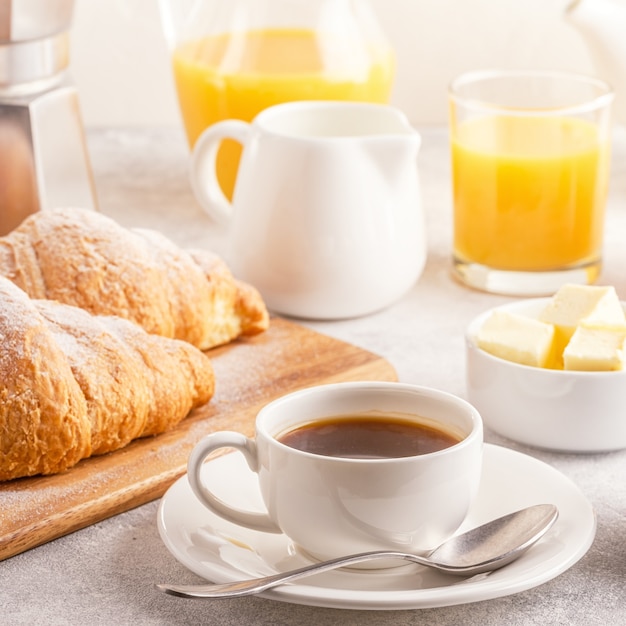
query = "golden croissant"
{"x": 74, "y": 384}
{"x": 83, "y": 258}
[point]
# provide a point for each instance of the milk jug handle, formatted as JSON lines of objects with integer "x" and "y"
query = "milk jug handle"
{"x": 203, "y": 172}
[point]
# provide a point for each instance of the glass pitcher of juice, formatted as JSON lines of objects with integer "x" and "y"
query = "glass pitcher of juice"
{"x": 233, "y": 59}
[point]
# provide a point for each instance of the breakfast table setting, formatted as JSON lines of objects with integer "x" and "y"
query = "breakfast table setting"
{"x": 107, "y": 571}
{"x": 297, "y": 359}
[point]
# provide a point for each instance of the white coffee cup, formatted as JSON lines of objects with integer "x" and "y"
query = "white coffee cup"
{"x": 326, "y": 219}
{"x": 332, "y": 506}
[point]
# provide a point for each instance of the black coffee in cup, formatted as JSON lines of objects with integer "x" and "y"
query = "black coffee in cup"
{"x": 368, "y": 437}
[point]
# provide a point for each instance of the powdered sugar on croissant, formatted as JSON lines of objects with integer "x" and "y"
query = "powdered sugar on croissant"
{"x": 86, "y": 259}
{"x": 73, "y": 384}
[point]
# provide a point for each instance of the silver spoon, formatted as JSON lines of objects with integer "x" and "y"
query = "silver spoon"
{"x": 482, "y": 549}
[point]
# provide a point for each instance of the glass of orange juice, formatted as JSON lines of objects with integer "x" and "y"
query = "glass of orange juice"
{"x": 530, "y": 168}
{"x": 233, "y": 59}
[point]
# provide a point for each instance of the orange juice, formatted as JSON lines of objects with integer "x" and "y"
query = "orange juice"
{"x": 235, "y": 76}
{"x": 529, "y": 192}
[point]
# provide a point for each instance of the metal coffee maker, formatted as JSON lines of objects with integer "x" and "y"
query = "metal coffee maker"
{"x": 43, "y": 155}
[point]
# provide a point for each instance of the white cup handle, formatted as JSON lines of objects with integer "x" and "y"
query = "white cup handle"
{"x": 215, "y": 441}
{"x": 203, "y": 172}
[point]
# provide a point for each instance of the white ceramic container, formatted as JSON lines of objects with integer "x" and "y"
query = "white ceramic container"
{"x": 326, "y": 219}
{"x": 561, "y": 410}
{"x": 332, "y": 506}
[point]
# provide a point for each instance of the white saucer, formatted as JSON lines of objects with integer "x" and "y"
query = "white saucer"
{"x": 222, "y": 552}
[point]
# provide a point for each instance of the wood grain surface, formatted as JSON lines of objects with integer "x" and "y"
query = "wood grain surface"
{"x": 249, "y": 374}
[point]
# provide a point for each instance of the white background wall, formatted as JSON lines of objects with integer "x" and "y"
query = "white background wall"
{"x": 120, "y": 61}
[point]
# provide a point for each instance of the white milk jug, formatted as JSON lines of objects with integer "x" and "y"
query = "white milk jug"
{"x": 326, "y": 218}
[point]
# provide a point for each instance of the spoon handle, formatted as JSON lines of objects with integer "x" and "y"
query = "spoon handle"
{"x": 256, "y": 585}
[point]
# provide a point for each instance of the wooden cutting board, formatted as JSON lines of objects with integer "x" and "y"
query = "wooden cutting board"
{"x": 249, "y": 373}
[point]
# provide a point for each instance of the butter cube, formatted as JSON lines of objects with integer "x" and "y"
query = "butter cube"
{"x": 573, "y": 305}
{"x": 517, "y": 338}
{"x": 596, "y": 349}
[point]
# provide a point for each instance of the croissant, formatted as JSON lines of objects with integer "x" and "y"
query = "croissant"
{"x": 74, "y": 385}
{"x": 83, "y": 258}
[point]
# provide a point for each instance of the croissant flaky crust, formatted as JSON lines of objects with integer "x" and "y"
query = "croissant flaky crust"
{"x": 83, "y": 258}
{"x": 74, "y": 385}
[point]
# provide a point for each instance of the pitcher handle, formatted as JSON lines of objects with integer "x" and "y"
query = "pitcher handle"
{"x": 203, "y": 172}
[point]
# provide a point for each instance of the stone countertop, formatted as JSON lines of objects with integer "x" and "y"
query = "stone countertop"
{"x": 104, "y": 574}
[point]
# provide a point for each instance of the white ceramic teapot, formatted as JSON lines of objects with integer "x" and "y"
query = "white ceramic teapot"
{"x": 326, "y": 218}
{"x": 602, "y": 23}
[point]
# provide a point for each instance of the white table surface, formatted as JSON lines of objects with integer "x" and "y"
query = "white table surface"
{"x": 104, "y": 574}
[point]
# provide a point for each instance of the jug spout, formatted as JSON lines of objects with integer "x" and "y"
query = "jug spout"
{"x": 394, "y": 146}
{"x": 395, "y": 157}
{"x": 602, "y": 24}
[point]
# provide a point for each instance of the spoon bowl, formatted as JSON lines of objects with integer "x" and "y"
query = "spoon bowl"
{"x": 482, "y": 549}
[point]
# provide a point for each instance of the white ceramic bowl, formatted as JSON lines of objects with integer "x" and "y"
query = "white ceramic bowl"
{"x": 554, "y": 409}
